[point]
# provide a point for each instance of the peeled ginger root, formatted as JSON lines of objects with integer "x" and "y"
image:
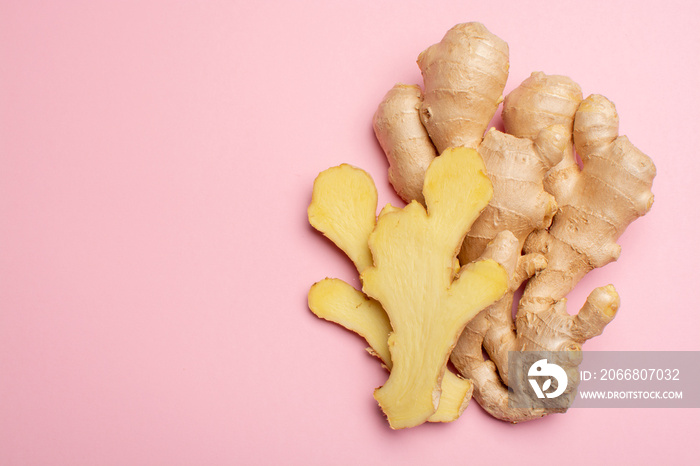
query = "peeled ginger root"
{"x": 414, "y": 251}
{"x": 412, "y": 278}
{"x": 336, "y": 301}
{"x": 343, "y": 208}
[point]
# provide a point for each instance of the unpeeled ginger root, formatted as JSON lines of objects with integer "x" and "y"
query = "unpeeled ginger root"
{"x": 565, "y": 220}
{"x": 464, "y": 76}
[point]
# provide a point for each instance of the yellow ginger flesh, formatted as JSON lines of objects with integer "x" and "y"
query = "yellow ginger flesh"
{"x": 343, "y": 205}
{"x": 336, "y": 301}
{"x": 413, "y": 277}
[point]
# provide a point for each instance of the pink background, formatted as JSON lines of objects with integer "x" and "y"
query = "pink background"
{"x": 157, "y": 160}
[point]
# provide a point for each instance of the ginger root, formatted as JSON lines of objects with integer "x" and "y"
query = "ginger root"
{"x": 515, "y": 207}
{"x": 595, "y": 205}
{"x": 516, "y": 167}
{"x": 405, "y": 141}
{"x": 564, "y": 220}
{"x": 413, "y": 278}
{"x": 412, "y": 127}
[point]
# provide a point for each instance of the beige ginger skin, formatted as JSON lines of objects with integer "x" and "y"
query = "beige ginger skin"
{"x": 405, "y": 141}
{"x": 464, "y": 76}
{"x": 564, "y": 220}
{"x": 596, "y": 204}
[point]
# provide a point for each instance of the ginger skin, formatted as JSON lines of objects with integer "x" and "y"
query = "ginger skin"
{"x": 516, "y": 167}
{"x": 596, "y": 204}
{"x": 464, "y": 76}
{"x": 405, "y": 141}
{"x": 412, "y": 127}
{"x": 543, "y": 100}
{"x": 565, "y": 220}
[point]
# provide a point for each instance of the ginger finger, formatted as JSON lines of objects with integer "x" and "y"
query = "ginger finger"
{"x": 464, "y": 76}
{"x": 405, "y": 141}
